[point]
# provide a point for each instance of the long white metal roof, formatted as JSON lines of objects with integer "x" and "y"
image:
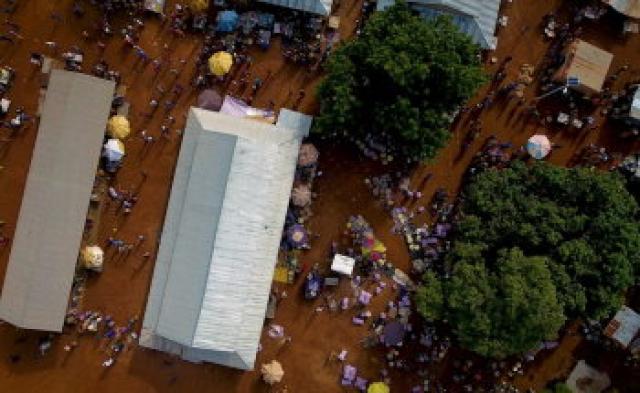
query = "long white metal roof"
{"x": 221, "y": 236}
{"x": 320, "y": 7}
{"x": 49, "y": 231}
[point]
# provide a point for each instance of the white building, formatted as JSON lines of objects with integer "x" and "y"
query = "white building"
{"x": 221, "y": 237}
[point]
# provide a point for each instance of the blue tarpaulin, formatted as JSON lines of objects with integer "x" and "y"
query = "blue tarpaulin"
{"x": 227, "y": 21}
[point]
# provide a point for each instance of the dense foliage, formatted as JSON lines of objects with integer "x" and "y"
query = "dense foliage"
{"x": 535, "y": 245}
{"x": 399, "y": 81}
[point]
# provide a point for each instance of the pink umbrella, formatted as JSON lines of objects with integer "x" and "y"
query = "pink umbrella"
{"x": 308, "y": 155}
{"x": 301, "y": 195}
{"x": 538, "y": 146}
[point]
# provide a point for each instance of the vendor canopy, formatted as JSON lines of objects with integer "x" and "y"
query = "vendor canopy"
{"x": 56, "y": 196}
{"x": 320, "y": 7}
{"x": 586, "y": 62}
{"x": 221, "y": 236}
{"x": 630, "y": 8}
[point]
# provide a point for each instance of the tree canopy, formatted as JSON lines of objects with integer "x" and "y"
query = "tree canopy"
{"x": 536, "y": 245}
{"x": 399, "y": 82}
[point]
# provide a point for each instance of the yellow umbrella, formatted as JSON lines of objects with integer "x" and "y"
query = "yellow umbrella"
{"x": 220, "y": 63}
{"x": 378, "y": 387}
{"x": 379, "y": 247}
{"x": 118, "y": 127}
{"x": 198, "y": 5}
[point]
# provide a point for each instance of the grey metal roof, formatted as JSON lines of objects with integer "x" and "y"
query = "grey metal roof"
{"x": 221, "y": 236}
{"x": 477, "y": 18}
{"x": 45, "y": 247}
{"x": 321, "y": 7}
{"x": 630, "y": 8}
{"x": 624, "y": 326}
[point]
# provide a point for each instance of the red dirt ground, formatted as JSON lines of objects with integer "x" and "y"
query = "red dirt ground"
{"x": 122, "y": 288}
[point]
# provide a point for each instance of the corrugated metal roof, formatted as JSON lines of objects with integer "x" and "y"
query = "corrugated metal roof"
{"x": 321, "y": 7}
{"x": 477, "y": 18}
{"x": 624, "y": 326}
{"x": 221, "y": 237}
{"x": 588, "y": 63}
{"x": 56, "y": 197}
{"x": 630, "y": 8}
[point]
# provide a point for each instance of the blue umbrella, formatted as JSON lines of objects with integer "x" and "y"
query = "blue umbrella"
{"x": 393, "y": 333}
{"x": 227, "y": 21}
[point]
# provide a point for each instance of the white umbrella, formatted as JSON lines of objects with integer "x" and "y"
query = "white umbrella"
{"x": 113, "y": 150}
{"x": 538, "y": 146}
{"x": 272, "y": 372}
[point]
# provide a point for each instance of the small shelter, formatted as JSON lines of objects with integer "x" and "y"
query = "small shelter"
{"x": 343, "y": 264}
{"x": 630, "y": 8}
{"x": 92, "y": 258}
{"x": 586, "y": 63}
{"x": 320, "y": 7}
{"x": 586, "y": 379}
{"x": 623, "y": 327}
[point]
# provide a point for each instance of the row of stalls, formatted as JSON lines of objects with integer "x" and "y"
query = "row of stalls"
{"x": 300, "y": 24}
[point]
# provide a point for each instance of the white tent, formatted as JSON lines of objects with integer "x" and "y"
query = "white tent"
{"x": 343, "y": 264}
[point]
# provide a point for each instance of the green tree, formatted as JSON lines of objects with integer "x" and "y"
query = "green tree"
{"x": 576, "y": 230}
{"x": 430, "y": 298}
{"x": 505, "y": 312}
{"x": 399, "y": 81}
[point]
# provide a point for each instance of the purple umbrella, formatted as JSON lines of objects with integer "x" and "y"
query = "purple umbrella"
{"x": 365, "y": 297}
{"x": 297, "y": 236}
{"x": 393, "y": 333}
{"x": 349, "y": 372}
{"x": 210, "y": 100}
